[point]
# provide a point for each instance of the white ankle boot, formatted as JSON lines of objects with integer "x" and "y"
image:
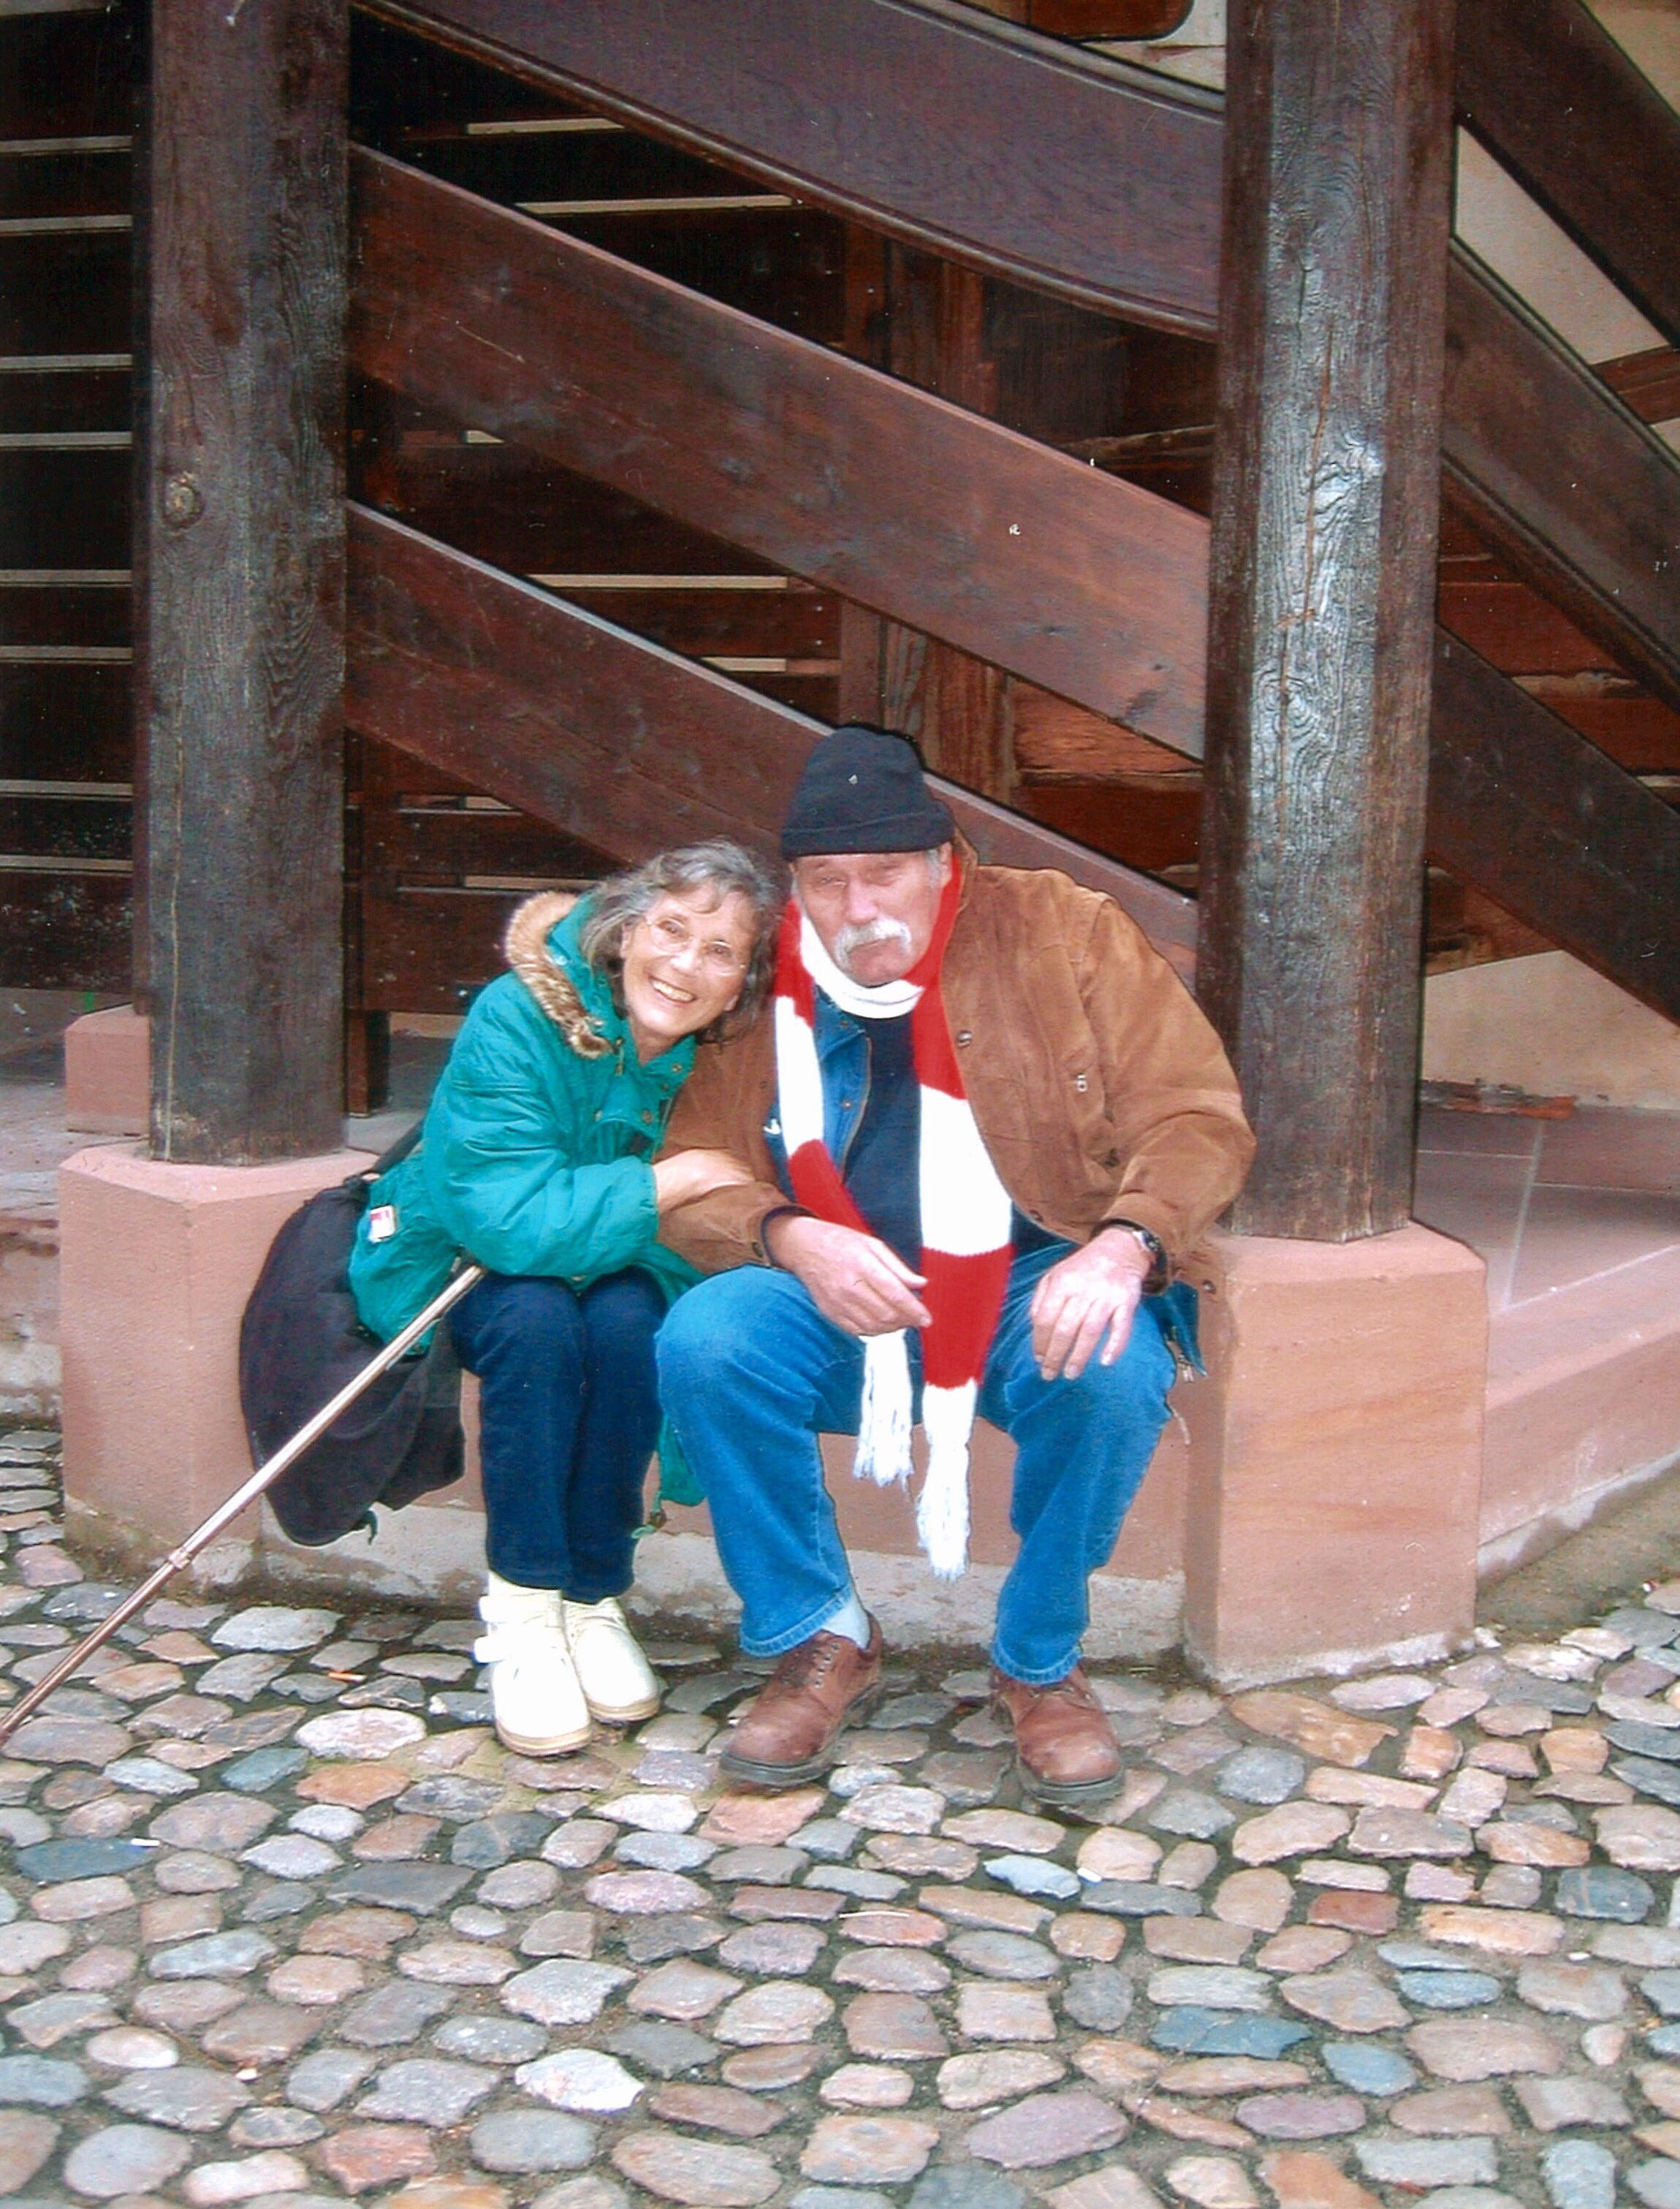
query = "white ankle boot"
{"x": 617, "y": 1679}
{"x": 534, "y": 1685}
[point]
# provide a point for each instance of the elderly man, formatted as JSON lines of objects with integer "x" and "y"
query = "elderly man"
{"x": 985, "y": 1122}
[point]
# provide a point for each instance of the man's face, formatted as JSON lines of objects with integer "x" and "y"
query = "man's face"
{"x": 874, "y": 911}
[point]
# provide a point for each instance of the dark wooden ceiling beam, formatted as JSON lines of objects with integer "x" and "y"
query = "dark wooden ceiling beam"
{"x": 1558, "y": 102}
{"x": 1580, "y": 497}
{"x": 616, "y": 741}
{"x": 1529, "y": 811}
{"x": 1082, "y": 583}
{"x": 933, "y": 122}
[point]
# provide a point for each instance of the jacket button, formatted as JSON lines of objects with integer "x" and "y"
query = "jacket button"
{"x": 964, "y": 1037}
{"x": 1081, "y": 1084}
{"x": 648, "y": 1116}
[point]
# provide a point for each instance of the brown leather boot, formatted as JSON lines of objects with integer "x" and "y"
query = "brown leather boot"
{"x": 791, "y": 1725}
{"x": 1064, "y": 1745}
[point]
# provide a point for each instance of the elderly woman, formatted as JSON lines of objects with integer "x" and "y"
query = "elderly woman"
{"x": 536, "y": 1161}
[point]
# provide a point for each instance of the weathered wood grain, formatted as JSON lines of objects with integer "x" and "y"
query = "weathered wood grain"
{"x": 612, "y": 739}
{"x": 1537, "y": 816}
{"x": 239, "y": 577}
{"x": 1020, "y": 555}
{"x": 1565, "y": 480}
{"x": 1550, "y": 92}
{"x": 983, "y": 139}
{"x": 625, "y": 747}
{"x": 1326, "y": 514}
{"x": 928, "y": 328}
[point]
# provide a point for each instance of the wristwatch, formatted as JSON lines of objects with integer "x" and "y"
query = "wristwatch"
{"x": 1160, "y": 1270}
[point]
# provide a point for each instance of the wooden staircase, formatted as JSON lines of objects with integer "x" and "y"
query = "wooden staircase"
{"x": 999, "y": 550}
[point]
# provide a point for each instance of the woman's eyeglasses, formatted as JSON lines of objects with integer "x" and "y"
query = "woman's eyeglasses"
{"x": 675, "y": 936}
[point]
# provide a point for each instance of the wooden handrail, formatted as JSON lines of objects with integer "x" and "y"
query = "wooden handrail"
{"x": 931, "y": 121}
{"x": 1079, "y": 581}
{"x": 616, "y": 740}
{"x": 629, "y": 747}
{"x": 1076, "y": 173}
{"x": 1580, "y": 497}
{"x": 1555, "y": 100}
{"x": 1531, "y": 812}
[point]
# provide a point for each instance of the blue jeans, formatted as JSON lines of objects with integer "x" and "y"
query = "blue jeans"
{"x": 750, "y": 1372}
{"x": 569, "y": 1415}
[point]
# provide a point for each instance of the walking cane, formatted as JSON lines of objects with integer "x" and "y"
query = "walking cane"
{"x": 264, "y": 1478}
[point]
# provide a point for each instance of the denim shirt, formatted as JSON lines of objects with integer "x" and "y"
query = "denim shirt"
{"x": 842, "y": 1056}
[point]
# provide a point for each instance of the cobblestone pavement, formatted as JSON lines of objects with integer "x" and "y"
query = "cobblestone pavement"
{"x": 283, "y": 1924}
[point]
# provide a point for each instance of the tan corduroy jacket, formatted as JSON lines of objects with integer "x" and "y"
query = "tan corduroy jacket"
{"x": 1099, "y": 1088}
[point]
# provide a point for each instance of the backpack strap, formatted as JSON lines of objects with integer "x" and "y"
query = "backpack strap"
{"x": 362, "y": 1180}
{"x": 408, "y": 1140}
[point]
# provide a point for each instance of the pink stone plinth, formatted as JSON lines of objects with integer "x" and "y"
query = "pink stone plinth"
{"x": 107, "y": 1072}
{"x": 1335, "y": 1453}
{"x": 157, "y": 1262}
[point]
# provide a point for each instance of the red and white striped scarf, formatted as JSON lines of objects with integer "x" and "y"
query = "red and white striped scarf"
{"x": 965, "y": 1220}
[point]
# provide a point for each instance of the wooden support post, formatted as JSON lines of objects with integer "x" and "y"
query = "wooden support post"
{"x": 240, "y": 628}
{"x": 924, "y": 320}
{"x": 955, "y": 705}
{"x": 1332, "y": 305}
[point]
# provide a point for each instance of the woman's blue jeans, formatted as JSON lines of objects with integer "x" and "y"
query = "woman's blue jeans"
{"x": 750, "y": 1373}
{"x": 569, "y": 1415}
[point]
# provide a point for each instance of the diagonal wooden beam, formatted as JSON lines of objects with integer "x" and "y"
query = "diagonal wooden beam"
{"x": 1554, "y": 99}
{"x": 616, "y": 741}
{"x": 1566, "y": 480}
{"x": 629, "y": 747}
{"x": 832, "y": 101}
{"x": 933, "y": 122}
{"x": 1537, "y": 816}
{"x": 1082, "y": 583}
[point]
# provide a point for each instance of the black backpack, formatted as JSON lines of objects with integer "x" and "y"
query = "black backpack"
{"x": 300, "y": 1342}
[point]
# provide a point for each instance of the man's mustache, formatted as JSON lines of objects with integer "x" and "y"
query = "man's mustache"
{"x": 858, "y": 936}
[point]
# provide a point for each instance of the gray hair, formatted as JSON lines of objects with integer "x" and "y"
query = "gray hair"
{"x": 718, "y": 865}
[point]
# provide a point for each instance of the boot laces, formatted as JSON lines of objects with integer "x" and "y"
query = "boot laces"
{"x": 808, "y": 1664}
{"x": 1072, "y": 1689}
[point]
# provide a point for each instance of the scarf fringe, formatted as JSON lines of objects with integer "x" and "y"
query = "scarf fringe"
{"x": 884, "y": 1424}
{"x": 941, "y": 1508}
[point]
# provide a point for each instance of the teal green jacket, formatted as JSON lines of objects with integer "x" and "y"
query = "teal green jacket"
{"x": 534, "y": 1158}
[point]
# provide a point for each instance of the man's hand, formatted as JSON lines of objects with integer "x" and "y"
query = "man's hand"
{"x": 1093, "y": 1294}
{"x": 854, "y": 1279}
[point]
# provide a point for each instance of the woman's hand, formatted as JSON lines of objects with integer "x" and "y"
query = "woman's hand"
{"x": 689, "y": 1174}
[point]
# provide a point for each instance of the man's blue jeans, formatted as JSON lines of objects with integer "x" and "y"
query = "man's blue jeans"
{"x": 750, "y": 1373}
{"x": 568, "y": 1417}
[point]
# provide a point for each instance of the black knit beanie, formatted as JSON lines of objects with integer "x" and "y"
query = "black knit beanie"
{"x": 863, "y": 790}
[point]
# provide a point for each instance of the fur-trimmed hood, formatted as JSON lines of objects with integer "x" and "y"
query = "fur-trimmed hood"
{"x": 526, "y": 948}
